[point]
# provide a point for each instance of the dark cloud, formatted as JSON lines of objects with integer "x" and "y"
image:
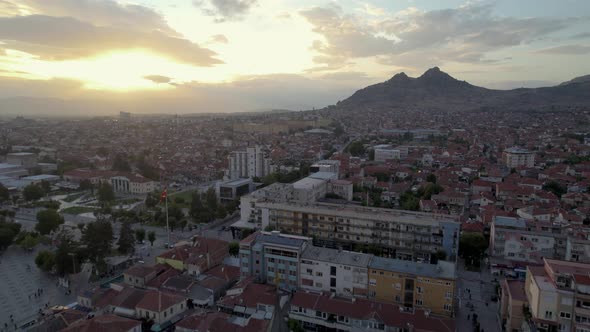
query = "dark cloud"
{"x": 58, "y": 38}
{"x": 225, "y": 10}
{"x": 425, "y": 38}
{"x": 158, "y": 78}
{"x": 566, "y": 49}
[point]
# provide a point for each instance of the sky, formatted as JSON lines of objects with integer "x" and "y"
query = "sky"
{"x": 190, "y": 56}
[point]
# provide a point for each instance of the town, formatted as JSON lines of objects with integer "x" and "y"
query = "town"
{"x": 323, "y": 220}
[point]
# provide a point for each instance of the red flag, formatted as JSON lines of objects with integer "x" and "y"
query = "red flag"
{"x": 164, "y": 195}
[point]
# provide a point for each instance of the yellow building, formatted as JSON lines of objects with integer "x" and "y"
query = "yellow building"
{"x": 414, "y": 285}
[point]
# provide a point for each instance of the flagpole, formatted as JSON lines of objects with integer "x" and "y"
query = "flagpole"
{"x": 167, "y": 225}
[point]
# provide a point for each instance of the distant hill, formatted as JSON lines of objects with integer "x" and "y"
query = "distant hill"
{"x": 437, "y": 89}
{"x": 580, "y": 79}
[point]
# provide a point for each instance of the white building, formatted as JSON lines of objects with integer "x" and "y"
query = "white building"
{"x": 254, "y": 162}
{"x": 331, "y": 166}
{"x": 133, "y": 184}
{"x": 24, "y": 159}
{"x": 342, "y": 188}
{"x": 515, "y": 157}
{"x": 343, "y": 273}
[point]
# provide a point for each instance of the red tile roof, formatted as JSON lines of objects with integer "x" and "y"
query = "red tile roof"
{"x": 103, "y": 323}
{"x": 159, "y": 301}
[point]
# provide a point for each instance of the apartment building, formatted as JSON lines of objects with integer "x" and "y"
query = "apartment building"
{"x": 558, "y": 296}
{"x": 335, "y": 271}
{"x": 272, "y": 257}
{"x": 402, "y": 234}
{"x": 253, "y": 162}
{"x": 512, "y": 300}
{"x": 520, "y": 241}
{"x": 578, "y": 248}
{"x": 518, "y": 157}
{"x": 322, "y": 312}
{"x": 414, "y": 285}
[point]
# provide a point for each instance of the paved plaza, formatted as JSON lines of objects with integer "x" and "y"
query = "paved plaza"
{"x": 477, "y": 289}
{"x": 20, "y": 279}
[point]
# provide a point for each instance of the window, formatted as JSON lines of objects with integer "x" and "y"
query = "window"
{"x": 398, "y": 286}
{"x": 319, "y": 274}
{"x": 397, "y": 298}
{"x": 332, "y": 270}
{"x": 419, "y": 289}
{"x": 419, "y": 302}
{"x": 332, "y": 282}
{"x": 448, "y": 307}
{"x": 548, "y": 314}
{"x": 565, "y": 315}
{"x": 448, "y": 295}
{"x": 372, "y": 282}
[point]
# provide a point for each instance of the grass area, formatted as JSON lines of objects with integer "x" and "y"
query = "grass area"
{"x": 126, "y": 201}
{"x": 185, "y": 195}
{"x": 73, "y": 197}
{"x": 78, "y": 210}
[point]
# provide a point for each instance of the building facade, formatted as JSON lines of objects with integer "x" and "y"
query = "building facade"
{"x": 518, "y": 157}
{"x": 343, "y": 273}
{"x": 254, "y": 162}
{"x": 414, "y": 285}
{"x": 272, "y": 257}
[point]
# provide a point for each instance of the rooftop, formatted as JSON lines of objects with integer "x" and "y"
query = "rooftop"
{"x": 442, "y": 269}
{"x": 509, "y": 222}
{"x": 517, "y": 150}
{"x": 336, "y": 256}
{"x": 281, "y": 239}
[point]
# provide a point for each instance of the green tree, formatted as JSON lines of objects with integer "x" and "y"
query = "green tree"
{"x": 8, "y": 232}
{"x": 48, "y": 221}
{"x": 234, "y": 248}
{"x": 121, "y": 164}
{"x": 4, "y": 193}
{"x": 151, "y": 200}
{"x": 409, "y": 202}
{"x": 151, "y": 237}
{"x": 140, "y": 235}
{"x": 105, "y": 193}
{"x": 356, "y": 148}
{"x": 33, "y": 192}
{"x": 182, "y": 224}
{"x": 45, "y": 260}
{"x": 198, "y": 211}
{"x": 211, "y": 199}
{"x": 555, "y": 187}
{"x": 86, "y": 185}
{"x": 472, "y": 247}
{"x": 431, "y": 178}
{"x": 46, "y": 186}
{"x": 98, "y": 238}
{"x": 126, "y": 241}
{"x": 67, "y": 257}
{"x": 220, "y": 213}
{"x": 29, "y": 241}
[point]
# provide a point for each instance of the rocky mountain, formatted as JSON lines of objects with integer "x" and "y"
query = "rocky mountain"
{"x": 437, "y": 89}
{"x": 580, "y": 79}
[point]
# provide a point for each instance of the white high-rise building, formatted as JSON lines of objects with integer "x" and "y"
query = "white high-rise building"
{"x": 254, "y": 162}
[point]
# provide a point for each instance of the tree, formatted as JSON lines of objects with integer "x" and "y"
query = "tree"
{"x": 431, "y": 178}
{"x": 86, "y": 185}
{"x": 356, "y": 148}
{"x": 182, "y": 223}
{"x": 33, "y": 192}
{"x": 126, "y": 241}
{"x": 234, "y": 248}
{"x": 198, "y": 211}
{"x": 121, "y": 164}
{"x": 29, "y": 241}
{"x": 220, "y": 213}
{"x": 105, "y": 193}
{"x": 140, "y": 235}
{"x": 151, "y": 200}
{"x": 46, "y": 186}
{"x": 211, "y": 199}
{"x": 48, "y": 221}
{"x": 555, "y": 187}
{"x": 66, "y": 254}
{"x": 98, "y": 238}
{"x": 4, "y": 193}
{"x": 472, "y": 247}
{"x": 45, "y": 260}
{"x": 8, "y": 231}
{"x": 151, "y": 237}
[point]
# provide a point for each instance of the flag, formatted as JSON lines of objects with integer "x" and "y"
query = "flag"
{"x": 164, "y": 195}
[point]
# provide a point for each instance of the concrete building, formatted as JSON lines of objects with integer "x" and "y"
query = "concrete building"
{"x": 331, "y": 166}
{"x": 578, "y": 249}
{"x": 558, "y": 295}
{"x": 322, "y": 312}
{"x": 234, "y": 189}
{"x": 133, "y": 184}
{"x": 518, "y": 157}
{"x": 384, "y": 153}
{"x": 272, "y": 257}
{"x": 12, "y": 170}
{"x": 512, "y": 302}
{"x": 517, "y": 242}
{"x": 401, "y": 234}
{"x": 254, "y": 162}
{"x": 343, "y": 273}
{"x": 342, "y": 188}
{"x": 414, "y": 285}
{"x": 25, "y": 159}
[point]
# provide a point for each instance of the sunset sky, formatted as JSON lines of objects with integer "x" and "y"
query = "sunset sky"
{"x": 237, "y": 55}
